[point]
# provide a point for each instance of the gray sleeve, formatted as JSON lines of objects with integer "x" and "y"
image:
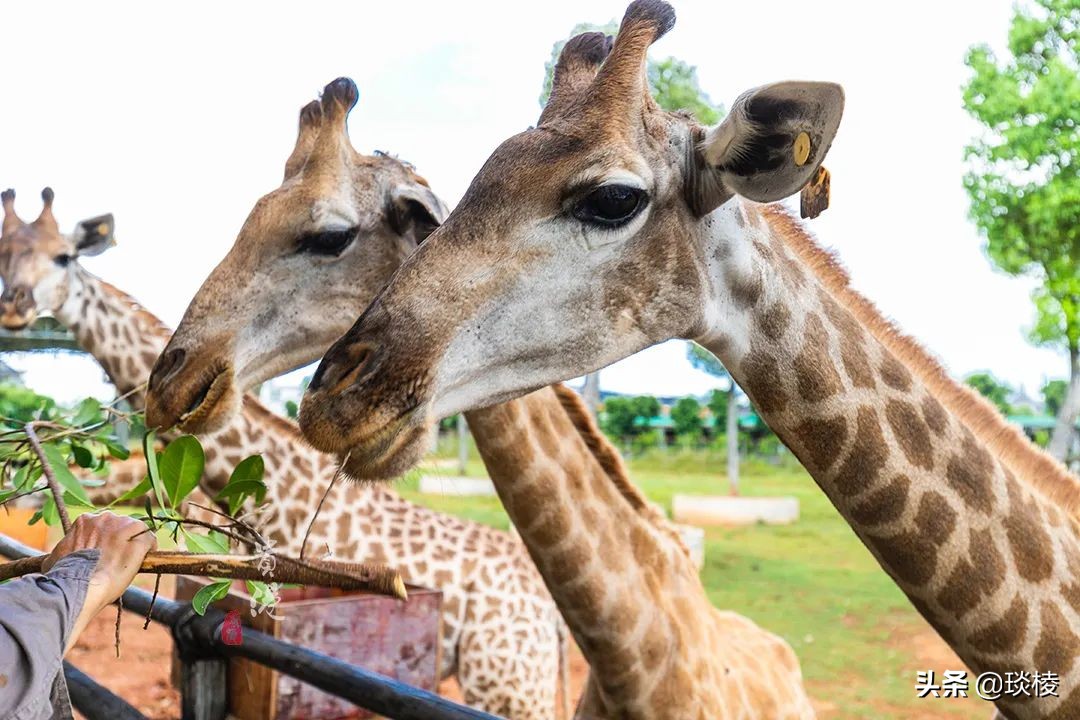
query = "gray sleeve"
{"x": 37, "y": 613}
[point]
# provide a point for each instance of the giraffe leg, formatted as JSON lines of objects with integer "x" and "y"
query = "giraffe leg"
{"x": 508, "y": 664}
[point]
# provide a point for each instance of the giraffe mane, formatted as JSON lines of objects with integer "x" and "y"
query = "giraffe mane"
{"x": 611, "y": 462}
{"x": 1027, "y": 461}
{"x": 153, "y": 324}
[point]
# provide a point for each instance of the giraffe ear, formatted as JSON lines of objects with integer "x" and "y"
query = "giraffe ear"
{"x": 414, "y": 212}
{"x": 772, "y": 142}
{"x": 94, "y": 236}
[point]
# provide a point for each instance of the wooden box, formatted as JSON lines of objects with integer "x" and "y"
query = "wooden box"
{"x": 382, "y": 634}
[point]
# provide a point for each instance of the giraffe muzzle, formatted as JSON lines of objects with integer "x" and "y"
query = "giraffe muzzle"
{"x": 191, "y": 397}
{"x": 17, "y": 307}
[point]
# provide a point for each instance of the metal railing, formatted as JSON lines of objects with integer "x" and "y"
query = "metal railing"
{"x": 204, "y": 656}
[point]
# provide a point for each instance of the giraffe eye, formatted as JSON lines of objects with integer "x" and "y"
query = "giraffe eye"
{"x": 326, "y": 242}
{"x": 611, "y": 206}
{"x": 62, "y": 259}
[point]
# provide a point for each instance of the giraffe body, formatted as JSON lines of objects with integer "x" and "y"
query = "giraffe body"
{"x": 613, "y": 226}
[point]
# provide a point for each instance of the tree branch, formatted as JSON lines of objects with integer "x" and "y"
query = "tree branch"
{"x": 46, "y": 469}
{"x": 325, "y": 573}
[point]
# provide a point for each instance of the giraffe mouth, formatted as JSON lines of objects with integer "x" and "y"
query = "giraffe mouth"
{"x": 389, "y": 453}
{"x": 205, "y": 402}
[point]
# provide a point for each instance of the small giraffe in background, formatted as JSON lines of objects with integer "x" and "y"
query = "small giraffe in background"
{"x": 613, "y": 226}
{"x": 491, "y": 589}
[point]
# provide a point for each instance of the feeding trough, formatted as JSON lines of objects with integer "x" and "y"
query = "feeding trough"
{"x": 379, "y": 633}
{"x": 705, "y": 510}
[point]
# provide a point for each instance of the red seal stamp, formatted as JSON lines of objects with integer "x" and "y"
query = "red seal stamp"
{"x": 232, "y": 632}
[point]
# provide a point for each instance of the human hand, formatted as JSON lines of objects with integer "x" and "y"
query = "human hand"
{"x": 123, "y": 543}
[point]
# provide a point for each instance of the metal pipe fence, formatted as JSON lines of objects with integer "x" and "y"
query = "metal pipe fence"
{"x": 204, "y": 656}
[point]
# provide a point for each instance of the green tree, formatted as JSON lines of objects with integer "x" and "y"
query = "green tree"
{"x": 625, "y": 418}
{"x": 1053, "y": 394}
{"x": 686, "y": 416}
{"x": 674, "y": 83}
{"x": 718, "y": 406}
{"x": 1024, "y": 174}
{"x": 992, "y": 389}
{"x": 705, "y": 361}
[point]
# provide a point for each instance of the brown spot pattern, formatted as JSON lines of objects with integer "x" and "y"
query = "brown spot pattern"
{"x": 1032, "y": 548}
{"x": 912, "y": 554}
{"x": 934, "y": 414}
{"x": 762, "y": 374}
{"x": 856, "y": 364}
{"x": 821, "y": 439}
{"x": 975, "y": 576}
{"x": 895, "y": 374}
{"x": 970, "y": 473}
{"x": 910, "y": 431}
{"x": 774, "y": 321}
{"x": 746, "y": 289}
{"x": 884, "y": 505}
{"x": 1057, "y": 647}
{"x": 1007, "y": 633}
{"x": 815, "y": 375}
{"x": 867, "y": 456}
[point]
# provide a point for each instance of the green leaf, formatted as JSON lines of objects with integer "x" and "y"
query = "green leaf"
{"x": 83, "y": 457}
{"x": 63, "y": 474}
{"x": 245, "y": 480}
{"x": 214, "y": 543}
{"x": 34, "y": 518}
{"x": 115, "y": 449}
{"x": 250, "y": 468}
{"x": 260, "y": 592}
{"x": 152, "y": 467}
{"x": 134, "y": 493}
{"x": 89, "y": 411}
{"x": 19, "y": 479}
{"x": 181, "y": 468}
{"x": 49, "y": 513}
{"x": 211, "y": 593}
{"x": 237, "y": 492}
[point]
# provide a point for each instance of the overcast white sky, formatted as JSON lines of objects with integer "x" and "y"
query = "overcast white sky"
{"x": 178, "y": 117}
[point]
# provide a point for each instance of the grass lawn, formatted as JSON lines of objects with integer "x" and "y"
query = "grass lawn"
{"x": 859, "y": 640}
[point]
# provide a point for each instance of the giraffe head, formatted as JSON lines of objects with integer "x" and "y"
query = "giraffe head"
{"x": 310, "y": 255}
{"x": 38, "y": 262}
{"x": 579, "y": 243}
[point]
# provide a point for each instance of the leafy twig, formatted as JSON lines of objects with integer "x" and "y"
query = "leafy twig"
{"x": 46, "y": 469}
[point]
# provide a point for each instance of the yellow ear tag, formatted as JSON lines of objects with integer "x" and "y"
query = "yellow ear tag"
{"x": 103, "y": 229}
{"x": 801, "y": 149}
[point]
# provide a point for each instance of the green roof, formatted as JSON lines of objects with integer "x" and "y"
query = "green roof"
{"x": 1035, "y": 422}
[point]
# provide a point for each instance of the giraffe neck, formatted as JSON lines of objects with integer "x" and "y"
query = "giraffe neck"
{"x": 904, "y": 454}
{"x": 608, "y": 559}
{"x": 110, "y": 325}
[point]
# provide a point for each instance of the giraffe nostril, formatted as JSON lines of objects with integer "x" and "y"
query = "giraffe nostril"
{"x": 166, "y": 366}
{"x": 343, "y": 367}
